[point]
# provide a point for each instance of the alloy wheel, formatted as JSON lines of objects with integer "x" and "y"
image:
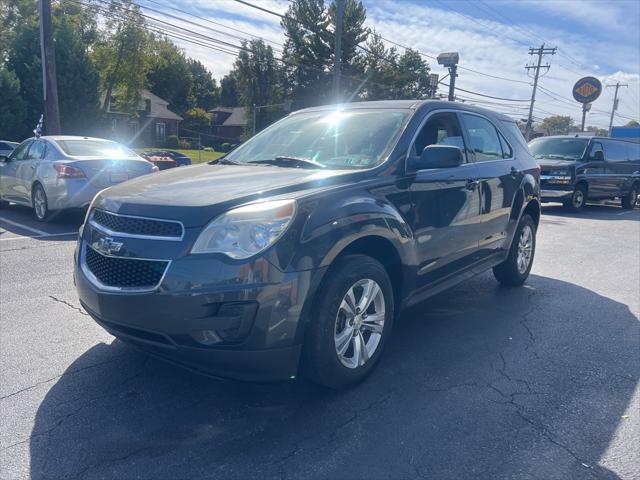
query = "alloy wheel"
{"x": 578, "y": 199}
{"x": 525, "y": 249}
{"x": 359, "y": 323}
{"x": 40, "y": 203}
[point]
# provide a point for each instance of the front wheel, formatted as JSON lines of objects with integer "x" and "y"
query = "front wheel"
{"x": 578, "y": 199}
{"x": 630, "y": 201}
{"x": 40, "y": 203}
{"x": 352, "y": 320}
{"x": 515, "y": 269}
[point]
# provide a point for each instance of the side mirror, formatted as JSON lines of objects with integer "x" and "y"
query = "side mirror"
{"x": 598, "y": 156}
{"x": 4, "y": 159}
{"x": 438, "y": 156}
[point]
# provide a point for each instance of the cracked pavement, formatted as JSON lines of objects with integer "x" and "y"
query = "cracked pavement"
{"x": 539, "y": 382}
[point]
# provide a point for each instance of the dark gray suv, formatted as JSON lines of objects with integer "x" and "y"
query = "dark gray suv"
{"x": 296, "y": 251}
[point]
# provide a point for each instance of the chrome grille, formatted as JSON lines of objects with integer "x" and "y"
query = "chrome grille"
{"x": 125, "y": 273}
{"x": 137, "y": 226}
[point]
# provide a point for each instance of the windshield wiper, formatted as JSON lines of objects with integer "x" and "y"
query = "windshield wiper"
{"x": 297, "y": 161}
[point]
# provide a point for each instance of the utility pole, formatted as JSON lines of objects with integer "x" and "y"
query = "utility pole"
{"x": 49, "y": 82}
{"x": 615, "y": 102}
{"x": 338, "y": 50}
{"x": 540, "y": 52}
{"x": 254, "y": 118}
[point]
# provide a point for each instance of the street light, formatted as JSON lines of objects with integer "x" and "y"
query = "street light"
{"x": 450, "y": 61}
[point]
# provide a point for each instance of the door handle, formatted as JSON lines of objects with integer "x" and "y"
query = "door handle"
{"x": 471, "y": 184}
{"x": 33, "y": 167}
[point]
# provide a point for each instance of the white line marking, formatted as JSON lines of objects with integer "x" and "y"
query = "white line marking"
{"x": 25, "y": 237}
{"x": 24, "y": 227}
{"x": 625, "y": 213}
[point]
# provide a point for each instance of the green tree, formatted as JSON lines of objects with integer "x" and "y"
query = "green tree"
{"x": 600, "y": 132}
{"x": 412, "y": 77}
{"x": 169, "y": 75}
{"x": 633, "y": 123}
{"x": 78, "y": 81}
{"x": 557, "y": 125}
{"x": 353, "y": 34}
{"x": 258, "y": 79}
{"x": 197, "y": 119}
{"x": 380, "y": 69}
{"x": 12, "y": 106}
{"x": 204, "y": 91}
{"x": 121, "y": 56}
{"x": 229, "y": 96}
{"x": 307, "y": 51}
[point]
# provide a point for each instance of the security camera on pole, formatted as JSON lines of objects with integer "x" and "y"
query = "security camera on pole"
{"x": 450, "y": 60}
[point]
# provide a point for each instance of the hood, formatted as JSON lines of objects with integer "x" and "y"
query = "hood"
{"x": 195, "y": 195}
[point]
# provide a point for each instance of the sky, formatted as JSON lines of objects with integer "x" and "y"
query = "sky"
{"x": 493, "y": 37}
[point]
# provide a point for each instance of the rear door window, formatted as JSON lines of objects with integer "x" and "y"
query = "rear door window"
{"x": 483, "y": 138}
{"x": 615, "y": 151}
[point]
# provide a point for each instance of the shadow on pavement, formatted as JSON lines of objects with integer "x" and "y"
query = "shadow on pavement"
{"x": 479, "y": 382}
{"x": 18, "y": 220}
{"x": 591, "y": 212}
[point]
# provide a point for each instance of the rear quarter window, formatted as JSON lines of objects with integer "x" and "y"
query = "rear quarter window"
{"x": 512, "y": 130}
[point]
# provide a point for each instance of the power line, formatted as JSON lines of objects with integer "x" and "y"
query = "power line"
{"x": 486, "y": 96}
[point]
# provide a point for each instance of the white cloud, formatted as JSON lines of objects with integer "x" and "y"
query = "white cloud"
{"x": 489, "y": 46}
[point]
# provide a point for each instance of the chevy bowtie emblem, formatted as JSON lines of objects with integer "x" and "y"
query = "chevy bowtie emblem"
{"x": 106, "y": 246}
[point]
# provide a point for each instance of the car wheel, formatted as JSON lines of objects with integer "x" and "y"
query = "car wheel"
{"x": 515, "y": 269}
{"x": 352, "y": 319}
{"x": 630, "y": 201}
{"x": 578, "y": 199}
{"x": 40, "y": 204}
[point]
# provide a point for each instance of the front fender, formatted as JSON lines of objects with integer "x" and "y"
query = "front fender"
{"x": 328, "y": 231}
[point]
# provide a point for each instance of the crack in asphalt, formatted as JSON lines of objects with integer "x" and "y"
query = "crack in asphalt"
{"x": 47, "y": 433}
{"x": 297, "y": 448}
{"x": 110, "y": 462}
{"x": 73, "y": 307}
{"x": 72, "y": 372}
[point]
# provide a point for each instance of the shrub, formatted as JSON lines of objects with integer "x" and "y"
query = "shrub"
{"x": 173, "y": 141}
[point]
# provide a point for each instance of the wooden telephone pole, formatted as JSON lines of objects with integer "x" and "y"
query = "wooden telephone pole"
{"x": 49, "y": 82}
{"x": 536, "y": 68}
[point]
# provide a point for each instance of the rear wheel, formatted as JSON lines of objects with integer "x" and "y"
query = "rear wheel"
{"x": 515, "y": 269}
{"x": 40, "y": 203}
{"x": 630, "y": 201}
{"x": 578, "y": 199}
{"x": 353, "y": 319}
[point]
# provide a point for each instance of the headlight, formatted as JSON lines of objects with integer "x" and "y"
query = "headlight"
{"x": 246, "y": 231}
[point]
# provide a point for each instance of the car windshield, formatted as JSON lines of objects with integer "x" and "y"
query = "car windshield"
{"x": 95, "y": 148}
{"x": 334, "y": 139}
{"x": 559, "y": 148}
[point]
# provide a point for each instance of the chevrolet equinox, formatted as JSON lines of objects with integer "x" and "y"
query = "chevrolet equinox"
{"x": 297, "y": 250}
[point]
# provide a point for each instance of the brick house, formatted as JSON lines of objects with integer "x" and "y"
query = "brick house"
{"x": 151, "y": 127}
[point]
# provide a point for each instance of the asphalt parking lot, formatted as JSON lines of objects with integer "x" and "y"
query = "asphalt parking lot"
{"x": 539, "y": 382}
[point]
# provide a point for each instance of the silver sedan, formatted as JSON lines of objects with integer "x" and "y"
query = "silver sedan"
{"x": 59, "y": 172}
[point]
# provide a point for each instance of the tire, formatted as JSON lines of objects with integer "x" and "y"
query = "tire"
{"x": 512, "y": 272}
{"x": 330, "y": 323}
{"x": 40, "y": 203}
{"x": 630, "y": 201}
{"x": 578, "y": 199}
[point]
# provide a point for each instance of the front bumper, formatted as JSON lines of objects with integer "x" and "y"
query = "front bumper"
{"x": 184, "y": 318}
{"x": 555, "y": 194}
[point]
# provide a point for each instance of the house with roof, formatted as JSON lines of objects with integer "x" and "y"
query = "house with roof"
{"x": 228, "y": 123}
{"x": 150, "y": 126}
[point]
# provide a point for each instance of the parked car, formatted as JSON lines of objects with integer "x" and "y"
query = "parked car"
{"x": 575, "y": 170}
{"x": 7, "y": 147}
{"x": 161, "y": 161}
{"x": 179, "y": 159}
{"x": 59, "y": 172}
{"x": 298, "y": 249}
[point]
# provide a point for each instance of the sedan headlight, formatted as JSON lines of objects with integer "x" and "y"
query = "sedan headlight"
{"x": 246, "y": 231}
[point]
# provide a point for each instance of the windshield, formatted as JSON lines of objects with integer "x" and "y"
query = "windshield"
{"x": 331, "y": 139}
{"x": 95, "y": 148}
{"x": 559, "y": 148}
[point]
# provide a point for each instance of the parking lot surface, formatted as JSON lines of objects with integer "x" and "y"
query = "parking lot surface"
{"x": 482, "y": 381}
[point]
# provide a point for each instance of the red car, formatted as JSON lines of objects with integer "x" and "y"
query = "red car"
{"x": 163, "y": 162}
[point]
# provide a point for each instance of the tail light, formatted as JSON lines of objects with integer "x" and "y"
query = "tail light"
{"x": 66, "y": 171}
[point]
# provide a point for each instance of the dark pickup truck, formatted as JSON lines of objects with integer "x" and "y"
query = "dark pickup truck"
{"x": 577, "y": 169}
